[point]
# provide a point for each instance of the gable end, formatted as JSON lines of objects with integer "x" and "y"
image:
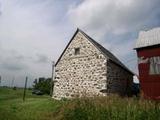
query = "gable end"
{"x": 67, "y": 46}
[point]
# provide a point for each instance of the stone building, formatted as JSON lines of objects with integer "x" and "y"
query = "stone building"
{"x": 87, "y": 68}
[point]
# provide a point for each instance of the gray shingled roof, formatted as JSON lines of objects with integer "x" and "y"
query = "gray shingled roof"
{"x": 106, "y": 52}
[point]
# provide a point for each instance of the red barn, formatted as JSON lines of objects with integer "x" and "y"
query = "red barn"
{"x": 148, "y": 52}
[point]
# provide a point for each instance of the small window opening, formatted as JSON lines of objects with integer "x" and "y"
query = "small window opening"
{"x": 154, "y": 65}
{"x": 77, "y": 51}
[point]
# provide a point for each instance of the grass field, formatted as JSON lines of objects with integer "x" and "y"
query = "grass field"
{"x": 35, "y": 107}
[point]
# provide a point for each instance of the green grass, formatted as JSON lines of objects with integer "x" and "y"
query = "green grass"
{"x": 35, "y": 107}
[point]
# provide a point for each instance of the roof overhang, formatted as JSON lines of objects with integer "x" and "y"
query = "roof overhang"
{"x": 146, "y": 47}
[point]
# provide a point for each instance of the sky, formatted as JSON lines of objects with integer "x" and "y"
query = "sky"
{"x": 33, "y": 33}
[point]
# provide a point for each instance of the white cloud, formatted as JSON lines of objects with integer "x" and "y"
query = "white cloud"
{"x": 116, "y": 16}
{"x": 116, "y": 23}
{"x": 34, "y": 30}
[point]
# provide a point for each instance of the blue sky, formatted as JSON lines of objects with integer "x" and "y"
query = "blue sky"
{"x": 33, "y": 33}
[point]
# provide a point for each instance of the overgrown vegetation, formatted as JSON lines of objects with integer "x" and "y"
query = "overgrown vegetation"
{"x": 110, "y": 108}
{"x": 98, "y": 108}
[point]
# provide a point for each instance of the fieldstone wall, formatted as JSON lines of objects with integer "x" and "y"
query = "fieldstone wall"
{"x": 81, "y": 74}
{"x": 118, "y": 80}
{"x": 88, "y": 72}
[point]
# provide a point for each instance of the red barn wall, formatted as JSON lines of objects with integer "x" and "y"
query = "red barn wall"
{"x": 150, "y": 84}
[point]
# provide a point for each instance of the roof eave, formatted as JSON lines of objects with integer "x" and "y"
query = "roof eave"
{"x": 156, "y": 45}
{"x": 123, "y": 67}
{"x": 90, "y": 39}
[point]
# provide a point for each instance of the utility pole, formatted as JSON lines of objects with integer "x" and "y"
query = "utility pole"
{"x": 13, "y": 82}
{"x": 24, "y": 94}
{"x": 0, "y": 80}
{"x": 51, "y": 90}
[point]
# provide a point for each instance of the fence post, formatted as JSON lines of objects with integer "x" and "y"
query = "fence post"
{"x": 24, "y": 94}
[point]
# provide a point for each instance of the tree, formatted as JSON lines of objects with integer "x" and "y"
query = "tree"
{"x": 43, "y": 85}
